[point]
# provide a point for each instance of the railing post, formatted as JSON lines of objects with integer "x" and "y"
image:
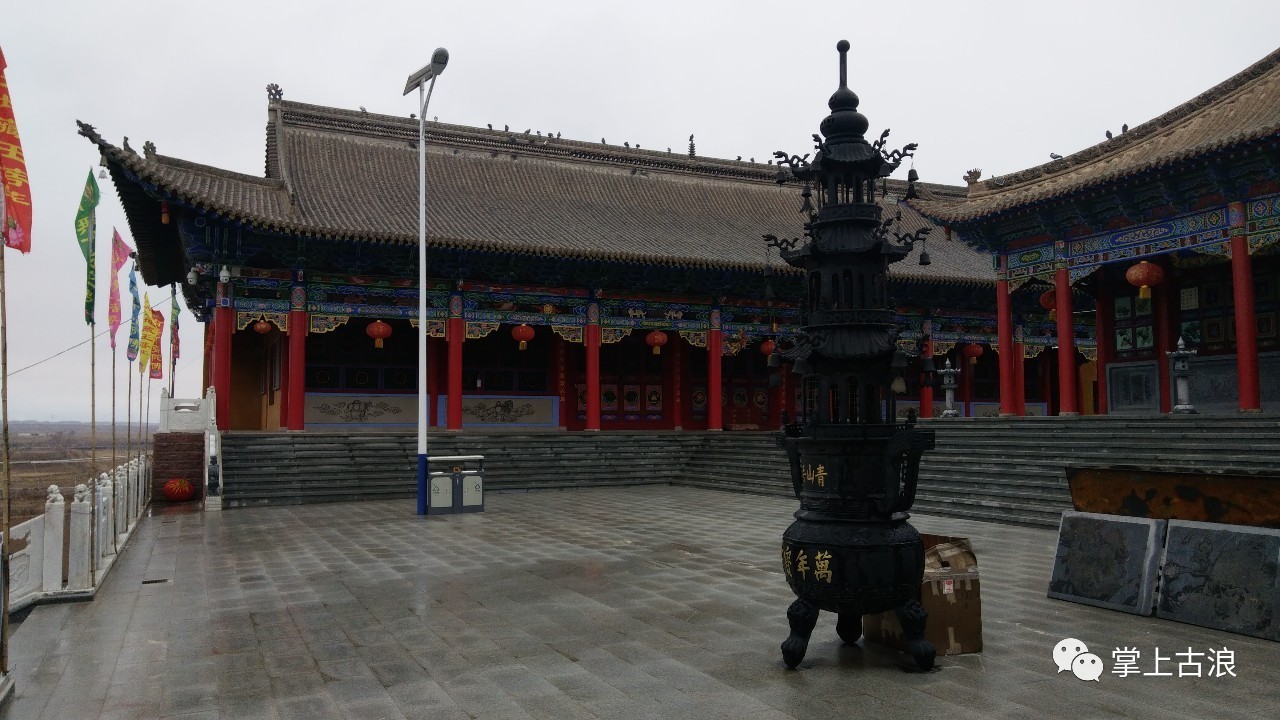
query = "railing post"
{"x": 55, "y": 520}
{"x": 105, "y": 535}
{"x": 121, "y": 482}
{"x": 78, "y": 558}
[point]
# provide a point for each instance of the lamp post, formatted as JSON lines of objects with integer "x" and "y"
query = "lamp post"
{"x": 1180, "y": 362}
{"x": 425, "y": 81}
{"x": 948, "y": 374}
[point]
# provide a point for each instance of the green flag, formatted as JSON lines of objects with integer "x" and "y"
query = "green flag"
{"x": 86, "y": 233}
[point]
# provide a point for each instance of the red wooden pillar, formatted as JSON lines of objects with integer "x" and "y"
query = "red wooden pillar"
{"x": 455, "y": 334}
{"x": 1246, "y": 322}
{"x": 592, "y": 339}
{"x": 715, "y": 352}
{"x": 1004, "y": 332}
{"x": 1067, "y": 402}
{"x": 677, "y": 381}
{"x": 224, "y": 326}
{"x": 969, "y": 365}
{"x": 297, "y": 387}
{"x": 1162, "y": 298}
{"x": 1106, "y": 329}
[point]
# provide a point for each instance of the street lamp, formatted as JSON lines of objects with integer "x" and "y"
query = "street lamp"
{"x": 425, "y": 81}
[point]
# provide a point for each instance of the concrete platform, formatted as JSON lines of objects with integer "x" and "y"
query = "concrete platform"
{"x": 625, "y": 603}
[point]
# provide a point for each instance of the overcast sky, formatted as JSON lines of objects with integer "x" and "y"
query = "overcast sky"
{"x": 994, "y": 85}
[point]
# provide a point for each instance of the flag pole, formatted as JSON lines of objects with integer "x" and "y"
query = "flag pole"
{"x": 115, "y": 511}
{"x": 8, "y": 486}
{"x": 128, "y": 434}
{"x": 93, "y": 460}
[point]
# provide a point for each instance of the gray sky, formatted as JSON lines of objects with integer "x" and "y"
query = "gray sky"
{"x": 995, "y": 85}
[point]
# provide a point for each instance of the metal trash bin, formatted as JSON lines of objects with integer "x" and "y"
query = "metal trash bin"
{"x": 460, "y": 488}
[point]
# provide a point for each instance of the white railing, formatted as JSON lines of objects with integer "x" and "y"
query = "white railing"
{"x": 212, "y": 454}
{"x": 36, "y": 567}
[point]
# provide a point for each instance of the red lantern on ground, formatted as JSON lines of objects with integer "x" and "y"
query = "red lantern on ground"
{"x": 766, "y": 347}
{"x": 1048, "y": 301}
{"x": 379, "y": 331}
{"x": 656, "y": 340}
{"x": 178, "y": 490}
{"x": 522, "y": 333}
{"x": 972, "y": 351}
{"x": 1144, "y": 275}
{"x": 262, "y": 327}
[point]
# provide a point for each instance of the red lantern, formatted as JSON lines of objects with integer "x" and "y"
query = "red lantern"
{"x": 178, "y": 490}
{"x": 766, "y": 347}
{"x": 656, "y": 340}
{"x": 262, "y": 327}
{"x": 523, "y": 333}
{"x": 1048, "y": 301}
{"x": 164, "y": 212}
{"x": 973, "y": 352}
{"x": 379, "y": 331}
{"x": 1144, "y": 275}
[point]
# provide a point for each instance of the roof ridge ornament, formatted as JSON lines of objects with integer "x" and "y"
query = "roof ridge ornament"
{"x": 275, "y": 92}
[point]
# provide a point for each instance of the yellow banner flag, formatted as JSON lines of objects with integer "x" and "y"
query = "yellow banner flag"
{"x": 149, "y": 334}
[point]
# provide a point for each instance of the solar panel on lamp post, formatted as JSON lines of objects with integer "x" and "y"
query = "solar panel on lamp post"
{"x": 425, "y": 81}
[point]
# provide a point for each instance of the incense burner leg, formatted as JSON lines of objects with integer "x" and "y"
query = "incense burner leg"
{"x": 849, "y": 627}
{"x": 912, "y": 617}
{"x": 801, "y": 616}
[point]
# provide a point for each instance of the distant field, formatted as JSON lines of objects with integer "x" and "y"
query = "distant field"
{"x": 57, "y": 453}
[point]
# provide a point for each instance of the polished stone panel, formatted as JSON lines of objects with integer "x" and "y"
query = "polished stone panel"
{"x": 1108, "y": 561}
{"x": 1222, "y": 576}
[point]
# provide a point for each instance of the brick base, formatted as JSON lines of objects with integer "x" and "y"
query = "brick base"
{"x": 177, "y": 455}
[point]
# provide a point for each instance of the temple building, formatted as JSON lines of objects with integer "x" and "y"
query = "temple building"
{"x": 1166, "y": 230}
{"x": 574, "y": 285}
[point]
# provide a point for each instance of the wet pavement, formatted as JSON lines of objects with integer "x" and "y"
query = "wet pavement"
{"x": 627, "y": 603}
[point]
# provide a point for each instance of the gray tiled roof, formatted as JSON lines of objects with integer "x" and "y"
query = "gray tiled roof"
{"x": 1243, "y": 108}
{"x": 354, "y": 175}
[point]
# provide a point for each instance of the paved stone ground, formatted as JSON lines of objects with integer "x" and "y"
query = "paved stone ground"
{"x": 631, "y": 603}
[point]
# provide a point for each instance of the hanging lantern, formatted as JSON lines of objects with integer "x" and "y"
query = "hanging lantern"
{"x": 766, "y": 347}
{"x": 164, "y": 212}
{"x": 1144, "y": 275}
{"x": 656, "y": 340}
{"x": 379, "y": 331}
{"x": 972, "y": 351}
{"x": 1048, "y": 301}
{"x": 523, "y": 333}
{"x": 262, "y": 327}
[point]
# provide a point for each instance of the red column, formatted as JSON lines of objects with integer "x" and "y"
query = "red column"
{"x": 1004, "y": 331}
{"x": 1106, "y": 329}
{"x": 1067, "y": 402}
{"x": 224, "y": 325}
{"x": 966, "y": 381}
{"x": 1162, "y": 298}
{"x": 677, "y": 381}
{"x": 1246, "y": 323}
{"x": 926, "y": 390}
{"x": 715, "y": 351}
{"x": 455, "y": 333}
{"x": 592, "y": 338}
{"x": 297, "y": 388}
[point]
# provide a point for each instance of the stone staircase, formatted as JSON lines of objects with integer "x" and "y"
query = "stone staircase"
{"x": 279, "y": 468}
{"x": 1003, "y": 470}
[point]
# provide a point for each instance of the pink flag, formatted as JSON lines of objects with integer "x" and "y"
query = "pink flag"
{"x": 120, "y": 252}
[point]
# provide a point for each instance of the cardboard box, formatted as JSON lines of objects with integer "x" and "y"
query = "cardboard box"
{"x": 950, "y": 593}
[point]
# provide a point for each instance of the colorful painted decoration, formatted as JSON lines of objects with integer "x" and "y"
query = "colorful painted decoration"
{"x": 379, "y": 331}
{"x": 656, "y": 340}
{"x": 178, "y": 490}
{"x": 262, "y": 327}
{"x": 523, "y": 334}
{"x": 1143, "y": 276}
